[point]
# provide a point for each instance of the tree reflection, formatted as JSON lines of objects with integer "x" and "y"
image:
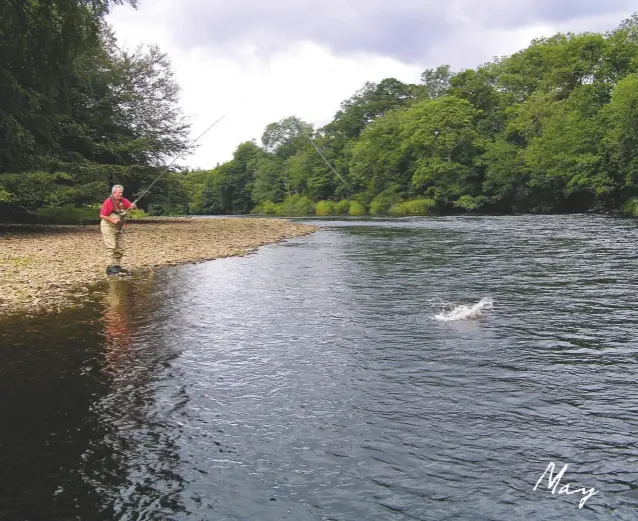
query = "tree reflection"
{"x": 48, "y": 386}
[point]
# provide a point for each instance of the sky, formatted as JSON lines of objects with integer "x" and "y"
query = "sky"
{"x": 254, "y": 62}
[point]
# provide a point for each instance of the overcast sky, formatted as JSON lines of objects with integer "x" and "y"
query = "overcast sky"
{"x": 259, "y": 61}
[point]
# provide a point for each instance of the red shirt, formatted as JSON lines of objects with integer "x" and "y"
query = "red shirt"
{"x": 108, "y": 208}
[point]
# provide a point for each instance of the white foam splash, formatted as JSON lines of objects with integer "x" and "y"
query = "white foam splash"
{"x": 464, "y": 312}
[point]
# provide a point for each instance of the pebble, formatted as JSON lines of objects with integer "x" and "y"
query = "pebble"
{"x": 46, "y": 269}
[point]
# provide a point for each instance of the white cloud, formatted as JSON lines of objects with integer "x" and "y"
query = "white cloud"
{"x": 305, "y": 79}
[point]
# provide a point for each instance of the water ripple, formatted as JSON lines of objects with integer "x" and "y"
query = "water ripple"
{"x": 311, "y": 381}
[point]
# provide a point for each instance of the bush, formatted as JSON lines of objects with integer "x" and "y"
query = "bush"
{"x": 631, "y": 207}
{"x": 342, "y": 207}
{"x": 469, "y": 203}
{"x": 357, "y": 208}
{"x": 382, "y": 203}
{"x": 294, "y": 205}
{"x": 297, "y": 205}
{"x": 413, "y": 207}
{"x": 69, "y": 214}
{"x": 377, "y": 207}
{"x": 325, "y": 208}
{"x": 82, "y": 215}
{"x": 137, "y": 214}
{"x": 267, "y": 208}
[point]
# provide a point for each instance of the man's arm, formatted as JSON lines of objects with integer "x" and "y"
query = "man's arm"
{"x": 107, "y": 208}
{"x": 128, "y": 204}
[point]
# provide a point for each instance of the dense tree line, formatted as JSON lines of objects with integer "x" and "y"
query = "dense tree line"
{"x": 552, "y": 128}
{"x": 77, "y": 114}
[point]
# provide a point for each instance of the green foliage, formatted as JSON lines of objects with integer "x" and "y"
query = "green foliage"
{"x": 382, "y": 203}
{"x": 137, "y": 214}
{"x": 34, "y": 190}
{"x": 342, "y": 207}
{"x": 436, "y": 82}
{"x": 69, "y": 215}
{"x": 471, "y": 204}
{"x": 325, "y": 208}
{"x": 75, "y": 215}
{"x": 370, "y": 103}
{"x": 297, "y": 204}
{"x": 551, "y": 128}
{"x": 286, "y": 137}
{"x": 77, "y": 114}
{"x": 268, "y": 184}
{"x": 228, "y": 189}
{"x": 620, "y": 118}
{"x": 356, "y": 208}
{"x": 420, "y": 206}
{"x": 630, "y": 208}
{"x": 506, "y": 178}
{"x": 379, "y": 158}
{"x": 267, "y": 208}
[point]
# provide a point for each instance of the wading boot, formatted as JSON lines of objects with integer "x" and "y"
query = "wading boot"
{"x": 112, "y": 270}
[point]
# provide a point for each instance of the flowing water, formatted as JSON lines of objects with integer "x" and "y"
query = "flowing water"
{"x": 427, "y": 369}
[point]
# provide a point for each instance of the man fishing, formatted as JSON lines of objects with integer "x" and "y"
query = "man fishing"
{"x": 111, "y": 214}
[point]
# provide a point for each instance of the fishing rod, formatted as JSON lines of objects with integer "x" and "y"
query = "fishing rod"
{"x": 172, "y": 162}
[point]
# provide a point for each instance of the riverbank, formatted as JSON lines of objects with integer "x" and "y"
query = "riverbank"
{"x": 47, "y": 268}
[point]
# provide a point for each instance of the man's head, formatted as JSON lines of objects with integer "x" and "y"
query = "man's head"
{"x": 117, "y": 191}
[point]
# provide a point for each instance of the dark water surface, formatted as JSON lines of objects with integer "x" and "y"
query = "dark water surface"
{"x": 310, "y": 381}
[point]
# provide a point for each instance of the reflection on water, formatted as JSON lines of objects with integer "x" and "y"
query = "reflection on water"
{"x": 134, "y": 464}
{"x": 117, "y": 327}
{"x": 311, "y": 381}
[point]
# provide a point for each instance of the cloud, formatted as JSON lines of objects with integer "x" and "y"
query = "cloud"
{"x": 526, "y": 13}
{"x": 398, "y": 29}
{"x": 403, "y": 29}
{"x": 260, "y": 62}
{"x": 304, "y": 79}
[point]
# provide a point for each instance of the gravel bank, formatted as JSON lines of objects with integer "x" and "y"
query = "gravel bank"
{"x": 49, "y": 268}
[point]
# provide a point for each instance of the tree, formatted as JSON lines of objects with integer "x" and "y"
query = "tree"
{"x": 378, "y": 157}
{"x": 480, "y": 88}
{"x": 39, "y": 43}
{"x": 436, "y": 82}
{"x": 620, "y": 118}
{"x": 286, "y": 137}
{"x": 228, "y": 188}
{"x": 370, "y": 102}
{"x": 268, "y": 184}
{"x": 442, "y": 141}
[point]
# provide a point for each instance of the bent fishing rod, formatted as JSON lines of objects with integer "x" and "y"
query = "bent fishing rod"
{"x": 171, "y": 164}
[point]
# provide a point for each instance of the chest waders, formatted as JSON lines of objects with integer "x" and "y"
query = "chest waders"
{"x": 112, "y": 234}
{"x": 119, "y": 211}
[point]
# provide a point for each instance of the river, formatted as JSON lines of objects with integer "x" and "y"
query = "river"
{"x": 317, "y": 379}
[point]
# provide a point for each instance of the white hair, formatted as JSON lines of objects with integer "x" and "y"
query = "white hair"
{"x": 116, "y": 187}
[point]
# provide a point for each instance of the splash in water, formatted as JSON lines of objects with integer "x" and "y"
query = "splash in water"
{"x": 464, "y": 312}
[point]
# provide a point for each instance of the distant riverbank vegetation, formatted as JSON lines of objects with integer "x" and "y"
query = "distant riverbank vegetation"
{"x": 550, "y": 129}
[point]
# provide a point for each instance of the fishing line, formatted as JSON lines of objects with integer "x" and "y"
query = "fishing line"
{"x": 122, "y": 225}
{"x": 322, "y": 157}
{"x": 175, "y": 159}
{"x": 205, "y": 131}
